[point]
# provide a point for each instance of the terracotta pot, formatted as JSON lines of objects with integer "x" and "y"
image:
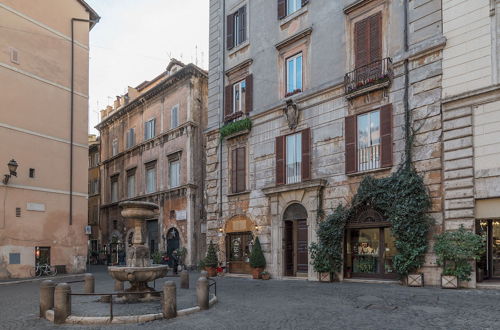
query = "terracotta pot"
{"x": 212, "y": 271}
{"x": 256, "y": 273}
{"x": 449, "y": 282}
{"x": 266, "y": 276}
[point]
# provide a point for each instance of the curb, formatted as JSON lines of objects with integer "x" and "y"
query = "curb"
{"x": 39, "y": 279}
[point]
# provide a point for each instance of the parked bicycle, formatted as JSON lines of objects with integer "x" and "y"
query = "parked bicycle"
{"x": 43, "y": 270}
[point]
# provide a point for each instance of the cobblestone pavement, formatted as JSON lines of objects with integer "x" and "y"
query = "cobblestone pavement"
{"x": 250, "y": 304}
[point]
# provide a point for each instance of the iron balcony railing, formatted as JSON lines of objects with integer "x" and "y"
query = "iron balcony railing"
{"x": 369, "y": 158}
{"x": 375, "y": 73}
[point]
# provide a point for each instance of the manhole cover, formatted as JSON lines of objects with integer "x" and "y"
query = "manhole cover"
{"x": 381, "y": 307}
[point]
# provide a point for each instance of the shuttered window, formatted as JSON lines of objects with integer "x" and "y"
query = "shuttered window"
{"x": 238, "y": 170}
{"x": 149, "y": 129}
{"x": 131, "y": 184}
{"x": 130, "y": 138}
{"x": 174, "y": 169}
{"x": 151, "y": 178}
{"x": 294, "y": 74}
{"x": 368, "y": 139}
{"x": 288, "y": 7}
{"x": 293, "y": 160}
{"x": 174, "y": 117}
{"x": 368, "y": 40}
{"x": 236, "y": 28}
{"x": 239, "y": 98}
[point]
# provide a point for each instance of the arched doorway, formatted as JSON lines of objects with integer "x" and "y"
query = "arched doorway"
{"x": 295, "y": 241}
{"x": 239, "y": 242}
{"x": 173, "y": 243}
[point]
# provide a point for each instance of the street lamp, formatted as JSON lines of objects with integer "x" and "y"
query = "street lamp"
{"x": 12, "y": 165}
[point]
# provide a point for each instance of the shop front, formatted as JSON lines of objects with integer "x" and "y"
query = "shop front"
{"x": 239, "y": 243}
{"x": 369, "y": 246}
{"x": 488, "y": 226}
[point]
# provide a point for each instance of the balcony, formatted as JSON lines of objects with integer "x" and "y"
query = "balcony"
{"x": 370, "y": 77}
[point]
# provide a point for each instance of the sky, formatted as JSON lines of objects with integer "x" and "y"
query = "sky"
{"x": 135, "y": 40}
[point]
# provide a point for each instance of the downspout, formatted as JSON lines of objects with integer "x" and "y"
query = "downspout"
{"x": 221, "y": 109}
{"x": 72, "y": 108}
{"x": 408, "y": 142}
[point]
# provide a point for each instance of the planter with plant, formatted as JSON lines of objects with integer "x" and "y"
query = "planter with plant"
{"x": 235, "y": 127}
{"x": 265, "y": 275}
{"x": 211, "y": 261}
{"x": 257, "y": 259}
{"x": 456, "y": 252}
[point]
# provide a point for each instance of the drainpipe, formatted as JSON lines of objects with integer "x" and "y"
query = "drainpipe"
{"x": 408, "y": 143}
{"x": 72, "y": 106}
{"x": 223, "y": 20}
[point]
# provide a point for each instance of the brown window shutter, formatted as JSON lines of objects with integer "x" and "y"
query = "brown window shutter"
{"x": 375, "y": 37}
{"x": 230, "y": 32}
{"x": 281, "y": 9}
{"x": 306, "y": 154}
{"x": 350, "y": 144}
{"x": 249, "y": 94}
{"x": 241, "y": 168}
{"x": 228, "y": 106}
{"x": 361, "y": 43}
{"x": 386, "y": 135}
{"x": 243, "y": 23}
{"x": 234, "y": 171}
{"x": 280, "y": 160}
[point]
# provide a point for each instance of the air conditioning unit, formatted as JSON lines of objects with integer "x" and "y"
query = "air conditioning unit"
{"x": 88, "y": 230}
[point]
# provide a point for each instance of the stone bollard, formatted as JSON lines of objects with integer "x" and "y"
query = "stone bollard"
{"x": 46, "y": 296}
{"x": 119, "y": 286}
{"x": 184, "y": 279}
{"x": 62, "y": 302}
{"x": 202, "y": 292}
{"x": 169, "y": 300}
{"x": 204, "y": 274}
{"x": 89, "y": 285}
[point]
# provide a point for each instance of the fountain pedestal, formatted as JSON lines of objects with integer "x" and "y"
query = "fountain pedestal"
{"x": 139, "y": 270}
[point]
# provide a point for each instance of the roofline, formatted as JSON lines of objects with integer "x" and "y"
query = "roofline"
{"x": 93, "y": 15}
{"x": 189, "y": 69}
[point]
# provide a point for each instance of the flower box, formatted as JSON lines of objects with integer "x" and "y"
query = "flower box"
{"x": 415, "y": 280}
{"x": 449, "y": 282}
{"x": 325, "y": 277}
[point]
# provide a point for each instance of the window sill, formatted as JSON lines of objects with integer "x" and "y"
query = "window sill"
{"x": 233, "y": 116}
{"x": 238, "y": 193}
{"x": 236, "y": 49}
{"x": 381, "y": 169}
{"x": 294, "y": 15}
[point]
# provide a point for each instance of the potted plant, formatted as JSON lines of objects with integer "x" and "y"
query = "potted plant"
{"x": 456, "y": 250}
{"x": 265, "y": 275}
{"x": 321, "y": 262}
{"x": 415, "y": 280}
{"x": 211, "y": 260}
{"x": 257, "y": 259}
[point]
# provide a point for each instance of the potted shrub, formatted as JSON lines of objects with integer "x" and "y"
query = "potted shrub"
{"x": 265, "y": 275}
{"x": 211, "y": 260}
{"x": 456, "y": 250}
{"x": 321, "y": 262}
{"x": 257, "y": 259}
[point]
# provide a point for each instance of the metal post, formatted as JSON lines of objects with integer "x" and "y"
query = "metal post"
{"x": 62, "y": 302}
{"x": 46, "y": 296}
{"x": 202, "y": 292}
{"x": 169, "y": 300}
{"x": 110, "y": 307}
{"x": 89, "y": 285}
{"x": 184, "y": 279}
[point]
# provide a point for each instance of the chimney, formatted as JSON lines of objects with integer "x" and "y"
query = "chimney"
{"x": 116, "y": 104}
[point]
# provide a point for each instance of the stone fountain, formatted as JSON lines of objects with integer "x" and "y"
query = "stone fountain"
{"x": 139, "y": 270}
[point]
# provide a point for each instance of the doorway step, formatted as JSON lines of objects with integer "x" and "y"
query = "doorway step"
{"x": 489, "y": 284}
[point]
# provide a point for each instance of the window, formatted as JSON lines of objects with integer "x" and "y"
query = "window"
{"x": 18, "y": 212}
{"x": 114, "y": 147}
{"x": 15, "y": 258}
{"x": 94, "y": 187}
{"x": 174, "y": 117}
{"x": 131, "y": 185}
{"x": 294, "y": 74}
{"x": 239, "y": 91}
{"x": 288, "y": 7}
{"x": 114, "y": 189}
{"x": 238, "y": 170}
{"x": 368, "y": 141}
{"x": 174, "y": 173}
{"x": 95, "y": 159}
{"x": 32, "y": 172}
{"x": 236, "y": 28}
{"x": 130, "y": 138}
{"x": 151, "y": 178}
{"x": 239, "y": 98}
{"x": 293, "y": 157}
{"x": 149, "y": 129}
{"x": 115, "y": 224}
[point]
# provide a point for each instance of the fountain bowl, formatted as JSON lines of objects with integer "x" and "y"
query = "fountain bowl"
{"x": 138, "y": 274}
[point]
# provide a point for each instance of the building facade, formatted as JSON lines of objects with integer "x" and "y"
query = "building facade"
{"x": 471, "y": 117}
{"x": 316, "y": 94}
{"x": 95, "y": 229}
{"x": 43, "y": 127}
{"x": 152, "y": 150}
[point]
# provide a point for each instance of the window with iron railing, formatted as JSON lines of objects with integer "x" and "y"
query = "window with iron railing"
{"x": 293, "y": 158}
{"x": 368, "y": 148}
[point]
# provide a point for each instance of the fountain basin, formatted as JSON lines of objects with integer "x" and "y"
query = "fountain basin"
{"x": 137, "y": 274}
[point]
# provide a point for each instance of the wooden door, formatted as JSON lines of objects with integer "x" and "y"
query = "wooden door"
{"x": 302, "y": 258}
{"x": 289, "y": 248}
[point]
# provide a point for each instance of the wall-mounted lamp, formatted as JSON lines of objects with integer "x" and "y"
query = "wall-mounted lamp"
{"x": 257, "y": 227}
{"x": 12, "y": 165}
